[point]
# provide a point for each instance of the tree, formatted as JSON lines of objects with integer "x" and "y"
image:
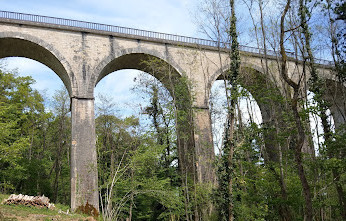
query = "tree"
{"x": 143, "y": 184}
{"x": 294, "y": 102}
{"x": 60, "y": 136}
{"x": 22, "y": 116}
{"x": 225, "y": 169}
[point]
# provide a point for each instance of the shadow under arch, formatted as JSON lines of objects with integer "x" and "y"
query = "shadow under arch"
{"x": 251, "y": 77}
{"x": 268, "y": 98}
{"x": 174, "y": 81}
{"x": 21, "y": 45}
{"x": 335, "y": 96}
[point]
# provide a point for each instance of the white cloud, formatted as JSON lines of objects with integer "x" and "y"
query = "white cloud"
{"x": 156, "y": 15}
{"x": 117, "y": 82}
{"x": 45, "y": 78}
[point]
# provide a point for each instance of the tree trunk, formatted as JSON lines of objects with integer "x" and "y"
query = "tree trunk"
{"x": 298, "y": 123}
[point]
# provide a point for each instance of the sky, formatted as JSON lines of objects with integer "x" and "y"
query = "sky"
{"x": 168, "y": 16}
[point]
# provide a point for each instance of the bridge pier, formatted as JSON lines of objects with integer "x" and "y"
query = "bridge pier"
{"x": 204, "y": 147}
{"x": 84, "y": 186}
{"x": 338, "y": 111}
{"x": 82, "y": 53}
{"x": 335, "y": 96}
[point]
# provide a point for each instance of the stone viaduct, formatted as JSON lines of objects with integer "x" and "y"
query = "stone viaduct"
{"x": 82, "y": 53}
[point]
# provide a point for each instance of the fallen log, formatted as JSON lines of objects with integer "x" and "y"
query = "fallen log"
{"x": 32, "y": 201}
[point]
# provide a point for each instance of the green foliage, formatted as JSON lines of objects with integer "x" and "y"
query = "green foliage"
{"x": 225, "y": 166}
{"x": 29, "y": 135}
{"x": 142, "y": 163}
{"x": 20, "y": 107}
{"x": 142, "y": 182}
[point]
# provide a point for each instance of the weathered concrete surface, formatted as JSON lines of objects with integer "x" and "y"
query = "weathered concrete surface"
{"x": 84, "y": 186}
{"x": 82, "y": 57}
{"x": 204, "y": 143}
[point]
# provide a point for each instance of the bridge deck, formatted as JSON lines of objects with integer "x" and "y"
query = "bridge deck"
{"x": 38, "y": 20}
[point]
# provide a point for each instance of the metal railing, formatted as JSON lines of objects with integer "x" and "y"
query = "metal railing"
{"x": 137, "y": 32}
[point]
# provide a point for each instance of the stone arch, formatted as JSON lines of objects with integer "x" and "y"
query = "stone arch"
{"x": 218, "y": 74}
{"x": 253, "y": 79}
{"x": 133, "y": 58}
{"x": 262, "y": 88}
{"x": 14, "y": 44}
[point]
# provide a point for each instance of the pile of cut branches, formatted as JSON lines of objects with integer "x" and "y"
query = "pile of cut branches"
{"x": 32, "y": 201}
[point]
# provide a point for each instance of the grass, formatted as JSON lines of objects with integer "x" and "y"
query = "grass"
{"x": 23, "y": 213}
